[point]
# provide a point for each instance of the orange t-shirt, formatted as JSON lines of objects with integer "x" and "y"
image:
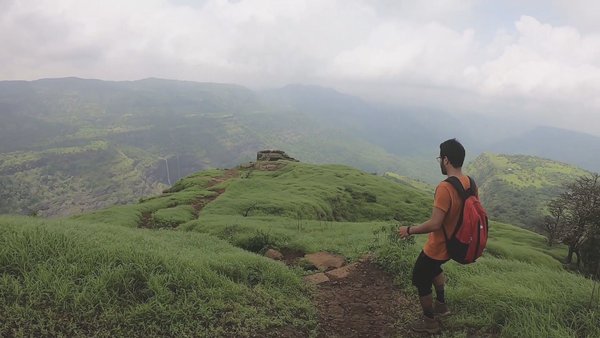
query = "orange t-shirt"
{"x": 448, "y": 200}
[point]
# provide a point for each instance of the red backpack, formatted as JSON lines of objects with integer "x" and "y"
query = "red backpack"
{"x": 470, "y": 236}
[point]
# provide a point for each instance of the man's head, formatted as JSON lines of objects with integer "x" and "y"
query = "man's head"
{"x": 451, "y": 153}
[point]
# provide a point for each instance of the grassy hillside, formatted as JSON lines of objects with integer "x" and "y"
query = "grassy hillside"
{"x": 292, "y": 190}
{"x": 70, "y": 180}
{"x": 66, "y": 278}
{"x": 516, "y": 188}
{"x": 411, "y": 182}
{"x": 184, "y": 263}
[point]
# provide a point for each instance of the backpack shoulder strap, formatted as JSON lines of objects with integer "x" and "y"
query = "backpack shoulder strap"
{"x": 464, "y": 194}
{"x": 455, "y": 182}
{"x": 472, "y": 187}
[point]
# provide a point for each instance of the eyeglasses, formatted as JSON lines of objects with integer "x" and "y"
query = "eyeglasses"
{"x": 439, "y": 159}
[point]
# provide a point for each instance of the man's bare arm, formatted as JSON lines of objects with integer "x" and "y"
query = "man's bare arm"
{"x": 434, "y": 223}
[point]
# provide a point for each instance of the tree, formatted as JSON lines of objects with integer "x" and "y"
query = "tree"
{"x": 575, "y": 220}
{"x": 554, "y": 223}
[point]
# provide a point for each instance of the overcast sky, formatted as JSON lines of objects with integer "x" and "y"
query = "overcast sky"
{"x": 539, "y": 60}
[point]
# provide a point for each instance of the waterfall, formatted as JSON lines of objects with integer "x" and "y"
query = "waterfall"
{"x": 168, "y": 175}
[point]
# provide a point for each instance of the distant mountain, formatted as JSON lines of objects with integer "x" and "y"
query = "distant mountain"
{"x": 412, "y": 134}
{"x": 401, "y": 131}
{"x": 558, "y": 144}
{"x": 70, "y": 145}
{"x": 516, "y": 188}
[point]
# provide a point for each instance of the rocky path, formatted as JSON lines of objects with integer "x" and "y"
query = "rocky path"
{"x": 365, "y": 303}
{"x": 356, "y": 300}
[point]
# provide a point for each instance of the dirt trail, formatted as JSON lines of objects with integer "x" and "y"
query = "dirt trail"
{"x": 201, "y": 202}
{"x": 365, "y": 304}
{"x": 147, "y": 222}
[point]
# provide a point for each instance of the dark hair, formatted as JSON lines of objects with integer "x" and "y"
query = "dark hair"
{"x": 454, "y": 151}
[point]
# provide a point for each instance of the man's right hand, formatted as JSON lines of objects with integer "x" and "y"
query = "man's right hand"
{"x": 403, "y": 232}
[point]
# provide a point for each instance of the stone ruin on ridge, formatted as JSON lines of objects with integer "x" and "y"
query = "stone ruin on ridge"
{"x": 273, "y": 155}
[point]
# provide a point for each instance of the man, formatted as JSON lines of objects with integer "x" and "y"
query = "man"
{"x": 447, "y": 206}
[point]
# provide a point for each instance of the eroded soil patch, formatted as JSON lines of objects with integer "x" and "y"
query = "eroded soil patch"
{"x": 145, "y": 221}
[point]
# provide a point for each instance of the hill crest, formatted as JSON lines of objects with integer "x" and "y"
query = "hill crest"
{"x": 516, "y": 188}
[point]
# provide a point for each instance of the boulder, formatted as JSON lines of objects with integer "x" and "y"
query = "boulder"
{"x": 274, "y": 254}
{"x": 325, "y": 260}
{"x": 342, "y": 272}
{"x": 317, "y": 278}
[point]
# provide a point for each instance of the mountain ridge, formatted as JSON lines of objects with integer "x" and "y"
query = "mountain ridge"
{"x": 169, "y": 128}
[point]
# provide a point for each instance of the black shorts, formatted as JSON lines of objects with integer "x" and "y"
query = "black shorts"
{"x": 425, "y": 270}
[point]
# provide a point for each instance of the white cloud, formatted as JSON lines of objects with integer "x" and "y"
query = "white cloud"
{"x": 544, "y": 61}
{"x": 434, "y": 52}
{"x": 406, "y": 52}
{"x": 582, "y": 14}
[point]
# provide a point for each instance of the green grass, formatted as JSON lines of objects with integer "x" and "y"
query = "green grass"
{"x": 517, "y": 289}
{"x": 320, "y": 192}
{"x": 351, "y": 239}
{"x": 513, "y": 242}
{"x": 76, "y": 279}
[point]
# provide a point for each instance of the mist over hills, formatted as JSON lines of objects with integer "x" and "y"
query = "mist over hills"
{"x": 70, "y": 145}
{"x": 563, "y": 145}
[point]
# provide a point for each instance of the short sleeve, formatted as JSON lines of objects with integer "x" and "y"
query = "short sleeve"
{"x": 442, "y": 199}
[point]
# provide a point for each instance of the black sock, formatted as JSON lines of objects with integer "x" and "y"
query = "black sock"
{"x": 428, "y": 313}
{"x": 439, "y": 295}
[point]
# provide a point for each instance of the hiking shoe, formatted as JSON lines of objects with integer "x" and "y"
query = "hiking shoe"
{"x": 440, "y": 309}
{"x": 426, "y": 324}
